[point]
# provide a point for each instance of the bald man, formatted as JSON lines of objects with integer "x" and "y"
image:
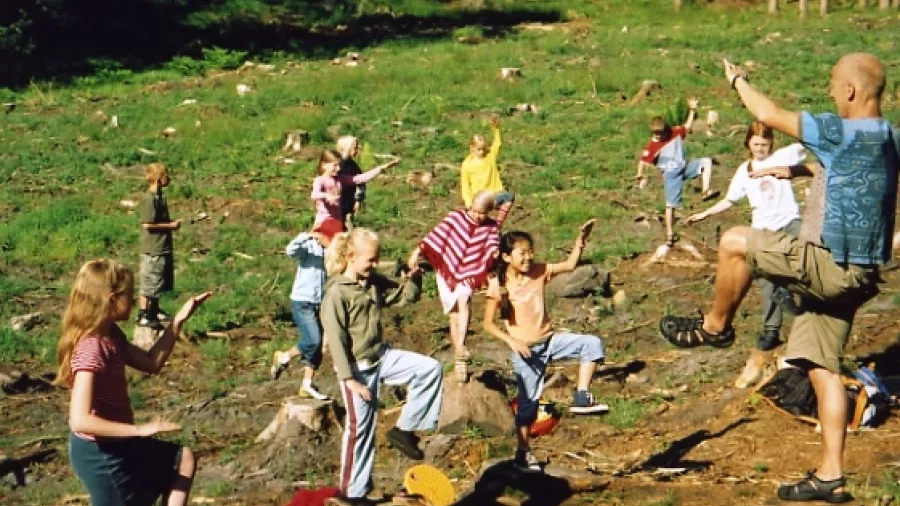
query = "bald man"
{"x": 834, "y": 266}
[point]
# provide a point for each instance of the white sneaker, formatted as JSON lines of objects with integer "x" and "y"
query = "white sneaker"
{"x": 310, "y": 390}
{"x": 279, "y": 364}
{"x": 163, "y": 317}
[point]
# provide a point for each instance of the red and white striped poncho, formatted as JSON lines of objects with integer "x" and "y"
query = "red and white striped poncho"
{"x": 462, "y": 251}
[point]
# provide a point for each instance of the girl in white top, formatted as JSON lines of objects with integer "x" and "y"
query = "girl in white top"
{"x": 773, "y": 208}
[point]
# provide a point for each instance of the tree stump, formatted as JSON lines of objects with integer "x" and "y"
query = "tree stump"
{"x": 773, "y": 6}
{"x": 481, "y": 402}
{"x": 295, "y": 140}
{"x": 309, "y": 412}
{"x": 145, "y": 337}
{"x": 647, "y": 87}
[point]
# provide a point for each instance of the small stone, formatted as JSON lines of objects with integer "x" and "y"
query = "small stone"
{"x": 636, "y": 379}
{"x": 169, "y": 132}
{"x": 438, "y": 446}
{"x": 243, "y": 89}
{"x": 114, "y": 122}
{"x": 127, "y": 204}
{"x": 620, "y": 300}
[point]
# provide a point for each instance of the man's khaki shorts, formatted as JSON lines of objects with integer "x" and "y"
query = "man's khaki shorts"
{"x": 830, "y": 293}
{"x": 157, "y": 275}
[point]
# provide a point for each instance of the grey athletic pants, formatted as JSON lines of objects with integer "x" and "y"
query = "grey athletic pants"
{"x": 423, "y": 406}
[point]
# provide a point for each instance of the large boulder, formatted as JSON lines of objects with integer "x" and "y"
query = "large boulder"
{"x": 583, "y": 281}
{"x": 481, "y": 402}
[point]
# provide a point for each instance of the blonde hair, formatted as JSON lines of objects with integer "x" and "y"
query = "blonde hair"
{"x": 478, "y": 141}
{"x": 154, "y": 172}
{"x": 328, "y": 156}
{"x": 345, "y": 145}
{"x": 338, "y": 252}
{"x": 88, "y": 308}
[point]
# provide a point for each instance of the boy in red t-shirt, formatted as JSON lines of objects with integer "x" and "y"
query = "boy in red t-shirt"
{"x": 665, "y": 151}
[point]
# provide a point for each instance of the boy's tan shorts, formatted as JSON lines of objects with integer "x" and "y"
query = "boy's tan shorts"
{"x": 157, "y": 275}
{"x": 830, "y": 293}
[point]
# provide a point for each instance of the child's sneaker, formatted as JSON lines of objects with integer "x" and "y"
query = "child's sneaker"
{"x": 526, "y": 462}
{"x": 308, "y": 390}
{"x": 405, "y": 441}
{"x": 584, "y": 404}
{"x": 280, "y": 362}
{"x": 154, "y": 324}
{"x": 768, "y": 340}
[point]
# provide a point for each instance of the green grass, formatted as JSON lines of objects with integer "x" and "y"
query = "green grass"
{"x": 64, "y": 170}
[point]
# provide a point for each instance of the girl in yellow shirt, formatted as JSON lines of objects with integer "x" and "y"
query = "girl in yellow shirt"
{"x": 479, "y": 171}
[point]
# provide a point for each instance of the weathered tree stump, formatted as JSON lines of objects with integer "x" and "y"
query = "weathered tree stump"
{"x": 145, "y": 337}
{"x": 773, "y": 6}
{"x": 295, "y": 140}
{"x": 647, "y": 87}
{"x": 481, "y": 402}
{"x": 309, "y": 412}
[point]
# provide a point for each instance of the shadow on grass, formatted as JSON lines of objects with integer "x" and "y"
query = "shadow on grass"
{"x": 143, "y": 34}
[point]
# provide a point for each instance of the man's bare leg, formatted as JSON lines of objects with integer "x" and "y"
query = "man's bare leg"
{"x": 832, "y": 403}
{"x": 732, "y": 280}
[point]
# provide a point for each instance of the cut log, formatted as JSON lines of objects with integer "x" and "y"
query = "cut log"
{"x": 145, "y": 337}
{"x": 309, "y": 412}
{"x": 773, "y": 6}
{"x": 481, "y": 402}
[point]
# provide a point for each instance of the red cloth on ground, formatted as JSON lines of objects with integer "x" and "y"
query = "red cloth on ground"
{"x": 462, "y": 251}
{"x": 315, "y": 497}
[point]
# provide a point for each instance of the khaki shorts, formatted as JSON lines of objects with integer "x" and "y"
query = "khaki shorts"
{"x": 830, "y": 293}
{"x": 157, "y": 275}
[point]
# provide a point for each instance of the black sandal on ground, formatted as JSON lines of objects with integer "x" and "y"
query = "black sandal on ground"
{"x": 812, "y": 488}
{"x": 671, "y": 240}
{"x": 687, "y": 332}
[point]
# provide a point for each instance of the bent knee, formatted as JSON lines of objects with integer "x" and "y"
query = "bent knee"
{"x": 734, "y": 241}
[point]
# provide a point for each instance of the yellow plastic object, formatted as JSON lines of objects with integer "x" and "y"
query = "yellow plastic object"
{"x": 429, "y": 483}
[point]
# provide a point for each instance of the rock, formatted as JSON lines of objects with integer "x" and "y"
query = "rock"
{"x": 481, "y": 402}
{"x": 419, "y": 178}
{"x": 145, "y": 337}
{"x": 636, "y": 379}
{"x": 438, "y": 447}
{"x": 127, "y": 204}
{"x": 309, "y": 412}
{"x": 583, "y": 281}
{"x": 25, "y": 322}
{"x": 169, "y": 132}
{"x": 114, "y": 122}
{"x": 243, "y": 89}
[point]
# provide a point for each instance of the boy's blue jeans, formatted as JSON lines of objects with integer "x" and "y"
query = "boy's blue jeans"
{"x": 530, "y": 371}
{"x": 306, "y": 316}
{"x": 673, "y": 180}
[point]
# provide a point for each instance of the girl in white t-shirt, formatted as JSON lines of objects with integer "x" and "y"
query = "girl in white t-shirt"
{"x": 773, "y": 208}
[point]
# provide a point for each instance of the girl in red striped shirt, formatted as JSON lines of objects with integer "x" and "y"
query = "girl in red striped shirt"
{"x": 118, "y": 461}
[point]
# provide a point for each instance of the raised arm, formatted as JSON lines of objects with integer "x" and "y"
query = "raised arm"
{"x": 692, "y": 114}
{"x": 497, "y": 142}
{"x": 760, "y": 106}
{"x": 299, "y": 246}
{"x": 808, "y": 169}
{"x": 152, "y": 360}
{"x": 572, "y": 262}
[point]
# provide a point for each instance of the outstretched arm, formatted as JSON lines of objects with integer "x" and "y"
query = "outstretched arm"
{"x": 692, "y": 115}
{"x": 495, "y": 132}
{"x": 152, "y": 360}
{"x": 761, "y": 106}
{"x": 572, "y": 262}
{"x": 720, "y": 206}
{"x": 800, "y": 170}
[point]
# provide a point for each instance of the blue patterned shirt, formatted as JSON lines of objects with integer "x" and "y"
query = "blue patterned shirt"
{"x": 861, "y": 162}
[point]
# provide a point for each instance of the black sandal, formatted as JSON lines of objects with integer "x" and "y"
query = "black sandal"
{"x": 812, "y": 488}
{"x": 687, "y": 332}
{"x": 671, "y": 240}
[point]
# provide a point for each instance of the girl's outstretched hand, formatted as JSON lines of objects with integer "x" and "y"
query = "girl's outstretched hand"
{"x": 189, "y": 307}
{"x": 156, "y": 426}
{"x": 586, "y": 229}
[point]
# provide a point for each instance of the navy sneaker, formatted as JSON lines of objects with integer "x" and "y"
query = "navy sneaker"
{"x": 526, "y": 462}
{"x": 406, "y": 442}
{"x": 584, "y": 404}
{"x": 768, "y": 340}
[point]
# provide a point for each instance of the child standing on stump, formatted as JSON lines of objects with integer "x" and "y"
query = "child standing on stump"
{"x": 308, "y": 249}
{"x": 517, "y": 294}
{"x": 774, "y": 208}
{"x": 351, "y": 318}
{"x": 157, "y": 259}
{"x": 665, "y": 151}
{"x": 479, "y": 172}
{"x": 327, "y": 187}
{"x": 118, "y": 461}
